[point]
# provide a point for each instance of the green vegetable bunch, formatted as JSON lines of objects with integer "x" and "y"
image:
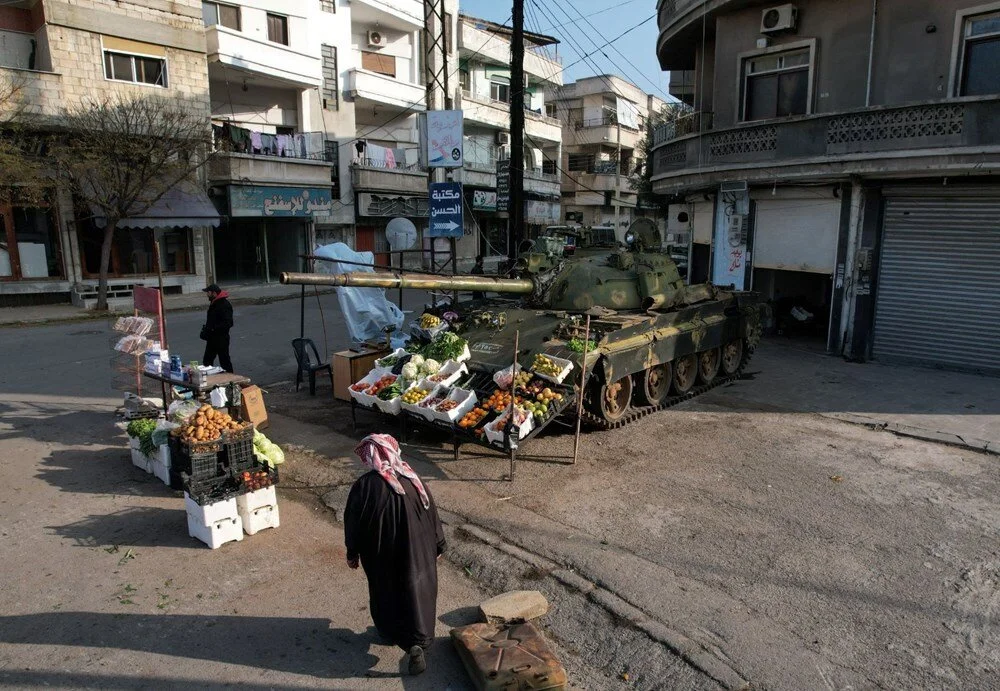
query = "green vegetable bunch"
{"x": 445, "y": 346}
{"x": 266, "y": 450}
{"x": 576, "y": 345}
{"x": 390, "y": 392}
{"x": 143, "y": 431}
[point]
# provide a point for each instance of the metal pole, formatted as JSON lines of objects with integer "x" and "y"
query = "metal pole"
{"x": 618, "y": 177}
{"x": 267, "y": 260}
{"x": 516, "y": 208}
{"x": 583, "y": 381}
{"x": 400, "y": 287}
{"x": 510, "y": 419}
{"x": 454, "y": 267}
{"x": 302, "y": 313}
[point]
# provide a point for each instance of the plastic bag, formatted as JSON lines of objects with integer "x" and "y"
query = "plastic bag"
{"x": 161, "y": 434}
{"x": 181, "y": 411}
{"x": 366, "y": 310}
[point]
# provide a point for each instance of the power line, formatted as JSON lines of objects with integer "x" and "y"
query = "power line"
{"x": 592, "y": 14}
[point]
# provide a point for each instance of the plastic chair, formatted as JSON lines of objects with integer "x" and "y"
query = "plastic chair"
{"x": 311, "y": 364}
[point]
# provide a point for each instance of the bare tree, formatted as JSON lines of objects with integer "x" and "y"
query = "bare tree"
{"x": 21, "y": 177}
{"x": 641, "y": 179}
{"x": 121, "y": 154}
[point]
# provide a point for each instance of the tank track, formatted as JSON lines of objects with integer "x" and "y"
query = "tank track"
{"x": 637, "y": 412}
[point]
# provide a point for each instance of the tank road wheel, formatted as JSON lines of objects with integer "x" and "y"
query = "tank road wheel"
{"x": 732, "y": 356}
{"x": 613, "y": 399}
{"x": 708, "y": 365}
{"x": 685, "y": 373}
{"x": 653, "y": 384}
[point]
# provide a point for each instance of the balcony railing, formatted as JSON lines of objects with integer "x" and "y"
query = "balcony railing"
{"x": 682, "y": 126}
{"x": 311, "y": 146}
{"x": 386, "y": 164}
{"x": 607, "y": 120}
{"x": 938, "y": 125}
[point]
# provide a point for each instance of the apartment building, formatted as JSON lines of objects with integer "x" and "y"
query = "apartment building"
{"x": 842, "y": 156}
{"x": 603, "y": 125}
{"x": 484, "y": 76}
{"x": 62, "y": 54}
{"x": 275, "y": 73}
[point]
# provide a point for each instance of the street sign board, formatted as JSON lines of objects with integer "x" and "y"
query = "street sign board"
{"x": 443, "y": 139}
{"x": 446, "y": 210}
{"x": 503, "y": 184}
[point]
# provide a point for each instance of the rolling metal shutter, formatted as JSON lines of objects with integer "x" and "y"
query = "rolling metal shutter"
{"x": 938, "y": 299}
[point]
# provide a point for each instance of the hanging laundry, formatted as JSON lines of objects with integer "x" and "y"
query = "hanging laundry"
{"x": 390, "y": 158}
{"x": 269, "y": 144}
{"x": 256, "y": 142}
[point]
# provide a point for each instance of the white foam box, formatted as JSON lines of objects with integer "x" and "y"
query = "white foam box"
{"x": 140, "y": 460}
{"x": 214, "y": 524}
{"x": 258, "y": 510}
{"x": 160, "y": 464}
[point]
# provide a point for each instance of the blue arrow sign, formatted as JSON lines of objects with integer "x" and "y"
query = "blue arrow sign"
{"x": 446, "y": 210}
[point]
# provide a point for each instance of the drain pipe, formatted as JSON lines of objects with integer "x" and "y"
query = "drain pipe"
{"x": 871, "y": 56}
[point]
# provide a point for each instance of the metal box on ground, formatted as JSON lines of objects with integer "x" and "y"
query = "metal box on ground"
{"x": 512, "y": 657}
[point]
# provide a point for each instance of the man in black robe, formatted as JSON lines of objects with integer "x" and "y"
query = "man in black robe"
{"x": 391, "y": 527}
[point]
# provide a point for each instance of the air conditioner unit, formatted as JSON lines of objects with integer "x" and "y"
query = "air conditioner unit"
{"x": 503, "y": 138}
{"x": 780, "y": 18}
{"x": 376, "y": 39}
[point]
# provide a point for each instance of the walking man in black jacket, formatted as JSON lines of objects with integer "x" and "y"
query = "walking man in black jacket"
{"x": 215, "y": 333}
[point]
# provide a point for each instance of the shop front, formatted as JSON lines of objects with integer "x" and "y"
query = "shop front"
{"x": 31, "y": 248}
{"x": 375, "y": 210}
{"x": 489, "y": 225}
{"x": 267, "y": 231}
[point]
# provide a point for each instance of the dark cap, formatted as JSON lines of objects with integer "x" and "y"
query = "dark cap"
{"x": 214, "y": 288}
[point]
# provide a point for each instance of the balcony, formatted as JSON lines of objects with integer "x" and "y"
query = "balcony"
{"x": 37, "y": 93}
{"x": 385, "y": 90}
{"x": 496, "y": 114}
{"x": 495, "y": 48}
{"x": 950, "y": 137}
{"x": 604, "y": 131}
{"x": 300, "y": 159}
{"x": 682, "y": 29}
{"x": 235, "y": 49}
{"x": 375, "y": 176}
{"x": 403, "y": 15}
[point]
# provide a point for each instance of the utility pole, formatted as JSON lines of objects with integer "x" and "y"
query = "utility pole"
{"x": 516, "y": 209}
{"x": 438, "y": 96}
{"x": 618, "y": 177}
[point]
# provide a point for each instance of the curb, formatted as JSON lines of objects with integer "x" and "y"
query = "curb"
{"x": 923, "y": 434}
{"x": 93, "y": 315}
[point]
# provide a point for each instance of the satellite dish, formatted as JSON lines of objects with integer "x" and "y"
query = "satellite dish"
{"x": 401, "y": 234}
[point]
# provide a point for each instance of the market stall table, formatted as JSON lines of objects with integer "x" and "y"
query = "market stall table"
{"x": 208, "y": 383}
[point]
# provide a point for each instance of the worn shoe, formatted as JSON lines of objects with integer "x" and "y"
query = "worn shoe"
{"x": 417, "y": 662}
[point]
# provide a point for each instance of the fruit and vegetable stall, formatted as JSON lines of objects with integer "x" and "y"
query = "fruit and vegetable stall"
{"x": 435, "y": 382}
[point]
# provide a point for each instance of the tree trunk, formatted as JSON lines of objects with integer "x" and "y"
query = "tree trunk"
{"x": 102, "y": 282}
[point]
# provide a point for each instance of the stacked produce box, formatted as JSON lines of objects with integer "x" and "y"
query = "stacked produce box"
{"x": 226, "y": 468}
{"x": 434, "y": 381}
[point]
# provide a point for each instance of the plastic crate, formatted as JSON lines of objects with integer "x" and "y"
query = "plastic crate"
{"x": 258, "y": 467}
{"x": 214, "y": 490}
{"x": 204, "y": 466}
{"x": 237, "y": 450}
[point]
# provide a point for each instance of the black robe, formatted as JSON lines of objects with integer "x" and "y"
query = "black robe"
{"x": 398, "y": 541}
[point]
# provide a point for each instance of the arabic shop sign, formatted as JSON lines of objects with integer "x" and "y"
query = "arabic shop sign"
{"x": 279, "y": 202}
{"x": 446, "y": 210}
{"x": 484, "y": 200}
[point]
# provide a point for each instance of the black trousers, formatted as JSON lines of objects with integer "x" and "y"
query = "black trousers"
{"x": 218, "y": 344}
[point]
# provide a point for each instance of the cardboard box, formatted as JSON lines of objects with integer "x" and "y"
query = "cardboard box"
{"x": 253, "y": 406}
{"x": 349, "y": 367}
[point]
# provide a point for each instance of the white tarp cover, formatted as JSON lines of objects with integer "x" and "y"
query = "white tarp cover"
{"x": 366, "y": 310}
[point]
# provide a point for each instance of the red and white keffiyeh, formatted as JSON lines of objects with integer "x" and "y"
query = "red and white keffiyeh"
{"x": 380, "y": 452}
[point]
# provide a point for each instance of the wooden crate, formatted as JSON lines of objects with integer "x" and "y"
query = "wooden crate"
{"x": 350, "y": 366}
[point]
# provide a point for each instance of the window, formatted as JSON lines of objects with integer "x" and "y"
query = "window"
{"x": 550, "y": 110}
{"x": 132, "y": 249}
{"x": 463, "y": 79}
{"x": 224, "y": 15}
{"x": 549, "y": 167}
{"x": 980, "y": 57}
{"x": 29, "y": 243}
{"x": 330, "y": 92}
{"x": 123, "y": 67}
{"x": 776, "y": 85}
{"x": 378, "y": 63}
{"x": 277, "y": 28}
{"x": 581, "y": 163}
{"x": 328, "y": 6}
{"x": 500, "y": 89}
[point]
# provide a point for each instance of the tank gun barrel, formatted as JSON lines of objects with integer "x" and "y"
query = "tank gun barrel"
{"x": 413, "y": 281}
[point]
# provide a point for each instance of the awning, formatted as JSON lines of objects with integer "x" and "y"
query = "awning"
{"x": 184, "y": 205}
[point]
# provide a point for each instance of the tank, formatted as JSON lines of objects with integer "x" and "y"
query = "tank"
{"x": 654, "y": 341}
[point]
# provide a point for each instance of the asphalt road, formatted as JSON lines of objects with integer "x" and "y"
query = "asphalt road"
{"x": 73, "y": 359}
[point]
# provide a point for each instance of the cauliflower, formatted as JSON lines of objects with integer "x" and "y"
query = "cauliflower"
{"x": 431, "y": 366}
{"x": 417, "y": 360}
{"x": 410, "y": 370}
